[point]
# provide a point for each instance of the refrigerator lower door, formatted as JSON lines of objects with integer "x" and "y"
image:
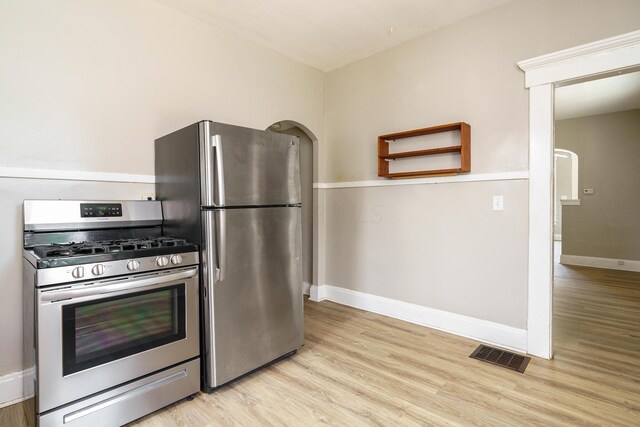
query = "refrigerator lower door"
{"x": 253, "y": 306}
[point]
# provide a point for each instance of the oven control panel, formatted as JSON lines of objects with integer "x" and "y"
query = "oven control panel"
{"x": 92, "y": 210}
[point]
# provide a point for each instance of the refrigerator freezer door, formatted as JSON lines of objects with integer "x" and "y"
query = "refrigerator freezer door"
{"x": 248, "y": 167}
{"x": 255, "y": 313}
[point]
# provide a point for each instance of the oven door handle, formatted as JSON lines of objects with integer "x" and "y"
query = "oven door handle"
{"x": 125, "y": 285}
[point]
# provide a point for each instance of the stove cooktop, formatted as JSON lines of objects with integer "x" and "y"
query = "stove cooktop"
{"x": 107, "y": 246}
{"x": 57, "y": 255}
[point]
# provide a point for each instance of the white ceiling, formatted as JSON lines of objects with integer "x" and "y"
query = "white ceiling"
{"x": 607, "y": 95}
{"x": 328, "y": 34}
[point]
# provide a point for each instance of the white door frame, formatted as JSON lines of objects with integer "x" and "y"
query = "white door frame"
{"x": 541, "y": 75}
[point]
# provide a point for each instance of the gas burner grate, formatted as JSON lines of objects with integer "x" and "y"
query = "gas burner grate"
{"x": 503, "y": 358}
{"x": 72, "y": 249}
{"x": 103, "y": 247}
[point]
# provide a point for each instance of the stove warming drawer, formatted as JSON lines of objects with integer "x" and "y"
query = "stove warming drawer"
{"x": 126, "y": 403}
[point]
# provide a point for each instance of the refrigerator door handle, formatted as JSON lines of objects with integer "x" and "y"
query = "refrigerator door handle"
{"x": 212, "y": 269}
{"x": 217, "y": 145}
{"x": 206, "y": 150}
{"x": 221, "y": 243}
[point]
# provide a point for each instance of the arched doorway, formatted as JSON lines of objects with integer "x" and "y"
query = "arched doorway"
{"x": 308, "y": 175}
{"x": 565, "y": 186}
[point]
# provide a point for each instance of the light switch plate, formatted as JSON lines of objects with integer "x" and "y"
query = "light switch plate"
{"x": 498, "y": 203}
{"x": 587, "y": 191}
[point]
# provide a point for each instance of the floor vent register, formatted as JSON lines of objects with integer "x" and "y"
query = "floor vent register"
{"x": 503, "y": 358}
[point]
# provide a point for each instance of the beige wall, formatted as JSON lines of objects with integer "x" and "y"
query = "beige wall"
{"x": 463, "y": 72}
{"x": 89, "y": 84}
{"x": 441, "y": 246}
{"x": 607, "y": 223}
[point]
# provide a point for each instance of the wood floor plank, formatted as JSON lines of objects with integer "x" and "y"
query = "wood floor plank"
{"x": 13, "y": 416}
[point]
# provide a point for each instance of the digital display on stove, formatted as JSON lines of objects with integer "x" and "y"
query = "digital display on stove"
{"x": 91, "y": 210}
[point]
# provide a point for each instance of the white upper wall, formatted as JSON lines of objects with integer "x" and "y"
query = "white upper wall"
{"x": 90, "y": 84}
{"x": 463, "y": 72}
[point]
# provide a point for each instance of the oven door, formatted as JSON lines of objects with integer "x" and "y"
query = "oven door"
{"x": 94, "y": 336}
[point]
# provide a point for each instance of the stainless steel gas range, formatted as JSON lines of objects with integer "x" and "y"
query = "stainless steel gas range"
{"x": 111, "y": 312}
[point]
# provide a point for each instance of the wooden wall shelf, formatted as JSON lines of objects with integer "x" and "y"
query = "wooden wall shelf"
{"x": 464, "y": 149}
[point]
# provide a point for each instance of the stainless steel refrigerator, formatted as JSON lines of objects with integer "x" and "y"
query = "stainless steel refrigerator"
{"x": 235, "y": 192}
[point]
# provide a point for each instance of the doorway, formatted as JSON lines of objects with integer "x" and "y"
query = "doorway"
{"x": 542, "y": 73}
{"x": 597, "y": 216}
{"x": 307, "y": 178}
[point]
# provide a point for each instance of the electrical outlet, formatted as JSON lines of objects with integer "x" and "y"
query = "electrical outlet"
{"x": 147, "y": 196}
{"x": 587, "y": 191}
{"x": 498, "y": 203}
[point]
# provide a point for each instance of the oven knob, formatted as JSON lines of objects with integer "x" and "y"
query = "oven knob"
{"x": 133, "y": 265}
{"x": 161, "y": 261}
{"x": 98, "y": 270}
{"x": 176, "y": 259}
{"x": 78, "y": 272}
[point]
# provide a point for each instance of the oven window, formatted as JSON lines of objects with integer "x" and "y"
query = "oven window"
{"x": 98, "y": 332}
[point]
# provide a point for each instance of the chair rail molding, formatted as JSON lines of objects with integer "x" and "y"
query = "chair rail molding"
{"x": 71, "y": 175}
{"x": 471, "y": 177}
{"x": 542, "y": 74}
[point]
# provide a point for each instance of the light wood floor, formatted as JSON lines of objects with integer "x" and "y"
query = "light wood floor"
{"x": 358, "y": 368}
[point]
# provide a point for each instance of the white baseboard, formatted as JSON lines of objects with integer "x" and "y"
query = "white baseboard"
{"x": 305, "y": 287}
{"x": 11, "y": 390}
{"x": 469, "y": 327}
{"x": 607, "y": 263}
{"x": 317, "y": 293}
